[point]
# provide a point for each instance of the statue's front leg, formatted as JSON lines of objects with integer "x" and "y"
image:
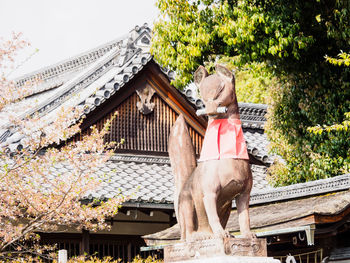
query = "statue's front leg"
{"x": 242, "y": 202}
{"x": 210, "y": 204}
{"x": 186, "y": 214}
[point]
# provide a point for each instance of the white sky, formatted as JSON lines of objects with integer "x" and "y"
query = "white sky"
{"x": 63, "y": 28}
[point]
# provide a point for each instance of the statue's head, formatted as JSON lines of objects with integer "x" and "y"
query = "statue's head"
{"x": 217, "y": 90}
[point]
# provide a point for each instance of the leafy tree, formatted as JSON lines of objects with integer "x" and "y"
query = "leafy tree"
{"x": 291, "y": 38}
{"x": 332, "y": 134}
{"x": 252, "y": 80}
{"x": 318, "y": 151}
{"x": 34, "y": 199}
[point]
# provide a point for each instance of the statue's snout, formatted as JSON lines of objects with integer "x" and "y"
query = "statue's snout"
{"x": 211, "y": 107}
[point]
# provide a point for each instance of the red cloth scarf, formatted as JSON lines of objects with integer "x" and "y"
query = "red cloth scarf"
{"x": 224, "y": 139}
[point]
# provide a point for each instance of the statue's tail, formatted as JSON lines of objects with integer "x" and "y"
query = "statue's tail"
{"x": 182, "y": 156}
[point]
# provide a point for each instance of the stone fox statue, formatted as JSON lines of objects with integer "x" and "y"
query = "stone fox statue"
{"x": 204, "y": 192}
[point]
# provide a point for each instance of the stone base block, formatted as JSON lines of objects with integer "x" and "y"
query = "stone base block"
{"x": 205, "y": 249}
{"x": 231, "y": 259}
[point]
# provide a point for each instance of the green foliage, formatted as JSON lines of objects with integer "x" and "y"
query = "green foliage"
{"x": 291, "y": 38}
{"x": 343, "y": 59}
{"x": 181, "y": 37}
{"x": 314, "y": 152}
{"x": 253, "y": 80}
{"x": 150, "y": 259}
{"x": 338, "y": 127}
{"x": 189, "y": 33}
{"x": 92, "y": 259}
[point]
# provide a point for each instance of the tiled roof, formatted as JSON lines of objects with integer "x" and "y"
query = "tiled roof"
{"x": 57, "y": 74}
{"x": 259, "y": 178}
{"x": 257, "y": 144}
{"x": 148, "y": 179}
{"x": 88, "y": 88}
{"x": 108, "y": 68}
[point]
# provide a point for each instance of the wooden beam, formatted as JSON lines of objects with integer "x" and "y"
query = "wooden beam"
{"x": 85, "y": 242}
{"x": 171, "y": 95}
{"x": 304, "y": 221}
{"x": 129, "y": 252}
{"x": 324, "y": 219}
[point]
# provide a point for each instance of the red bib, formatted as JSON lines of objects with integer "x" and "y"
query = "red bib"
{"x": 223, "y": 140}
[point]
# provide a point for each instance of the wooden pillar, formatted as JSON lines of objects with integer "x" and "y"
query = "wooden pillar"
{"x": 85, "y": 243}
{"x": 172, "y": 219}
{"x": 129, "y": 252}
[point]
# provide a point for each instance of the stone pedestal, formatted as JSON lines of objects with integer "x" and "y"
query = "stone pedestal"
{"x": 219, "y": 250}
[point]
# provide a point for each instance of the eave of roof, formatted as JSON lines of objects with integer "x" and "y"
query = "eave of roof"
{"x": 271, "y": 217}
{"x": 322, "y": 186}
{"x": 148, "y": 179}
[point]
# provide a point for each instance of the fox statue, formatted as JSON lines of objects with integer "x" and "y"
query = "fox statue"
{"x": 204, "y": 192}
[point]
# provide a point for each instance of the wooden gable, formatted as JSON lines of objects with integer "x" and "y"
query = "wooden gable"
{"x": 147, "y": 133}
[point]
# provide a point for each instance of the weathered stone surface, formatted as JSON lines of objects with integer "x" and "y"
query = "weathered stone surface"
{"x": 245, "y": 247}
{"x": 232, "y": 259}
{"x": 209, "y": 248}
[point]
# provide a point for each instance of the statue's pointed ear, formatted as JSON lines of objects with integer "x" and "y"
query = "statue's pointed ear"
{"x": 200, "y": 74}
{"x": 223, "y": 72}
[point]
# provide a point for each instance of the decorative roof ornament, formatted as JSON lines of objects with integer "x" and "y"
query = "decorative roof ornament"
{"x": 145, "y": 93}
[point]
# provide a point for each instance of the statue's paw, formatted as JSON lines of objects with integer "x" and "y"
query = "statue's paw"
{"x": 250, "y": 235}
{"x": 200, "y": 236}
{"x": 222, "y": 234}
